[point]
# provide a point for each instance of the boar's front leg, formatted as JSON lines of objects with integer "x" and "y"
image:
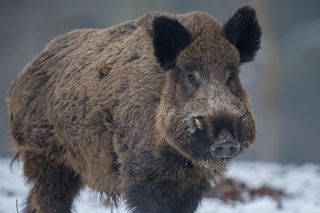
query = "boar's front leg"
{"x": 163, "y": 197}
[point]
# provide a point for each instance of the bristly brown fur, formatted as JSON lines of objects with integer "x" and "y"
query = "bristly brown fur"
{"x": 114, "y": 109}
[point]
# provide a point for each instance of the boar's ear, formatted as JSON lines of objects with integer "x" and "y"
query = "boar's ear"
{"x": 169, "y": 38}
{"x": 244, "y": 32}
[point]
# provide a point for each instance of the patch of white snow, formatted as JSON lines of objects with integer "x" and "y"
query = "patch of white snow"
{"x": 301, "y": 182}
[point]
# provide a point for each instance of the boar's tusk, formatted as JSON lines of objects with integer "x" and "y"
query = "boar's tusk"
{"x": 198, "y": 123}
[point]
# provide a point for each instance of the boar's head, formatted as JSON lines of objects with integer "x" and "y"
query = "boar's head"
{"x": 204, "y": 112}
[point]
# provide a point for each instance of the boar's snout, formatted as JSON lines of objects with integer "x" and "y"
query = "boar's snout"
{"x": 225, "y": 146}
{"x": 221, "y": 134}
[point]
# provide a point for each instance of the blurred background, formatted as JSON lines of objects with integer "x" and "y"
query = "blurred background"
{"x": 283, "y": 81}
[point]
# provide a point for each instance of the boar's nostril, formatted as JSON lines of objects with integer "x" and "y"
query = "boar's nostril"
{"x": 219, "y": 148}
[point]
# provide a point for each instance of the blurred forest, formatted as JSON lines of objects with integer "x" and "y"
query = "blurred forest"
{"x": 283, "y": 81}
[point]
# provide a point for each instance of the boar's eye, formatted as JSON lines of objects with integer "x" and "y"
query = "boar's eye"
{"x": 189, "y": 82}
{"x": 230, "y": 76}
{"x": 192, "y": 79}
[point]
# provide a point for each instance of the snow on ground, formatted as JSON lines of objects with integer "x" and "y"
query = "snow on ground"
{"x": 302, "y": 182}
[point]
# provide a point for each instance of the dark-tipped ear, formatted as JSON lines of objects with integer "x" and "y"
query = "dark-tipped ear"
{"x": 169, "y": 38}
{"x": 244, "y": 32}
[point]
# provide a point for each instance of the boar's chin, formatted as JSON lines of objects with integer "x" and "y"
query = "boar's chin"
{"x": 213, "y": 167}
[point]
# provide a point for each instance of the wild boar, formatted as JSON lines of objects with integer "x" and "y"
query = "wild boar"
{"x": 148, "y": 111}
